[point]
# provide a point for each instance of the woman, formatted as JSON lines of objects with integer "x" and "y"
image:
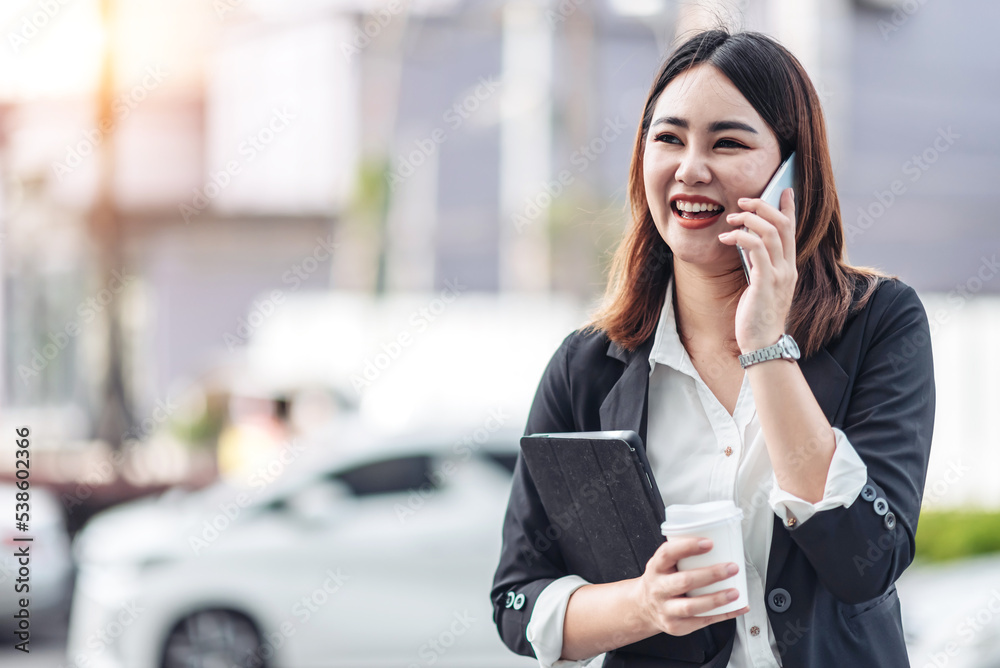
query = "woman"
{"x": 825, "y": 453}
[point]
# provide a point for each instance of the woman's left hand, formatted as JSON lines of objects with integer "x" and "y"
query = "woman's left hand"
{"x": 764, "y": 306}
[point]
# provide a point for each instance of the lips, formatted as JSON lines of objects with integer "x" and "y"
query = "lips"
{"x": 695, "y": 212}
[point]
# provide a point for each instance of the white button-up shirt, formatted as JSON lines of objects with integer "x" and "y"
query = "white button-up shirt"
{"x": 699, "y": 453}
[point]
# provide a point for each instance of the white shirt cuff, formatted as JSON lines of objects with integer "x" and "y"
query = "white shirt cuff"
{"x": 545, "y": 628}
{"x": 847, "y": 475}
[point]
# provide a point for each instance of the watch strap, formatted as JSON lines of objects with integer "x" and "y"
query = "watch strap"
{"x": 772, "y": 352}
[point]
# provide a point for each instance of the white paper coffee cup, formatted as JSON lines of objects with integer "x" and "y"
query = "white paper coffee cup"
{"x": 720, "y": 522}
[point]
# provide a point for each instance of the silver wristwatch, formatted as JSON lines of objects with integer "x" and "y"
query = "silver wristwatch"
{"x": 785, "y": 348}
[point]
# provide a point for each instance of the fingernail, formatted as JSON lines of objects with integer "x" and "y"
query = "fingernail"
{"x": 732, "y": 569}
{"x": 731, "y": 216}
{"x": 743, "y": 200}
{"x": 733, "y": 595}
{"x": 704, "y": 543}
{"x": 724, "y": 235}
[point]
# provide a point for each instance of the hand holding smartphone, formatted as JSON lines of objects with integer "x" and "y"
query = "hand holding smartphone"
{"x": 783, "y": 178}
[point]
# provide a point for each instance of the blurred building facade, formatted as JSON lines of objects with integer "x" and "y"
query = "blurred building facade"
{"x": 262, "y": 151}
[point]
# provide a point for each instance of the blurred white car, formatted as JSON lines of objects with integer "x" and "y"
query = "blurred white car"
{"x": 951, "y": 613}
{"x": 50, "y": 567}
{"x": 346, "y": 552}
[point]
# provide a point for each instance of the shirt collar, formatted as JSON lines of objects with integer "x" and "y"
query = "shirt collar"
{"x": 667, "y": 347}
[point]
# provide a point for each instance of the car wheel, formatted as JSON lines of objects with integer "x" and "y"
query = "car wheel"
{"x": 213, "y": 639}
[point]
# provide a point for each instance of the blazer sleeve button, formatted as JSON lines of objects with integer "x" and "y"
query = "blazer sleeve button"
{"x": 868, "y": 493}
{"x": 881, "y": 506}
{"x": 779, "y": 599}
{"x": 519, "y": 601}
{"x": 889, "y": 520}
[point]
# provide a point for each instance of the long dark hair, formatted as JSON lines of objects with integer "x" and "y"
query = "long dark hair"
{"x": 777, "y": 86}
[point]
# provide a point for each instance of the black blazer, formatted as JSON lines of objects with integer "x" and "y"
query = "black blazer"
{"x": 830, "y": 583}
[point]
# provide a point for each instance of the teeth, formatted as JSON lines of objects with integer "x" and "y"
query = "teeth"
{"x": 691, "y": 207}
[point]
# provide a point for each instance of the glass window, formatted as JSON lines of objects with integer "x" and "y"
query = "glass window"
{"x": 399, "y": 474}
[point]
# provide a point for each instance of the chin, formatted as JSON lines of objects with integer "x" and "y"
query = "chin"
{"x": 715, "y": 257}
{"x": 700, "y": 247}
{"x": 696, "y": 249}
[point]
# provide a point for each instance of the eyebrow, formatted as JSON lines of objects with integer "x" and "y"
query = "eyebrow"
{"x": 717, "y": 126}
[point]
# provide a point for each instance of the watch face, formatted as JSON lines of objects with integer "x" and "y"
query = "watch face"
{"x": 792, "y": 348}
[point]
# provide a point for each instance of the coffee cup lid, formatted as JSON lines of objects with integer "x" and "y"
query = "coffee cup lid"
{"x": 682, "y": 518}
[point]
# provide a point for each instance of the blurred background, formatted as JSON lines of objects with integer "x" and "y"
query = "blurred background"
{"x": 280, "y": 279}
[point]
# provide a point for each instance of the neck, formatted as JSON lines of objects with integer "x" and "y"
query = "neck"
{"x": 705, "y": 305}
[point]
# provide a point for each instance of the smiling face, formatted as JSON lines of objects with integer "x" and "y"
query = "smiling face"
{"x": 706, "y": 147}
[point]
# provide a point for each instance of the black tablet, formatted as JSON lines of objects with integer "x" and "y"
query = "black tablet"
{"x": 604, "y": 509}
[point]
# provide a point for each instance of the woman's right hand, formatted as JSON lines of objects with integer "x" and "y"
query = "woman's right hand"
{"x": 662, "y": 589}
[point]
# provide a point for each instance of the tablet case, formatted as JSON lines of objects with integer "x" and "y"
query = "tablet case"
{"x": 604, "y": 508}
{"x": 605, "y": 512}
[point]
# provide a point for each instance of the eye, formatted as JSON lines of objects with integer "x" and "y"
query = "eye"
{"x": 667, "y": 138}
{"x": 729, "y": 143}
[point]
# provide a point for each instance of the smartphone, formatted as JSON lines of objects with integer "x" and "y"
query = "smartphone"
{"x": 783, "y": 178}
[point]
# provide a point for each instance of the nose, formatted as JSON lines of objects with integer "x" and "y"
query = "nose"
{"x": 693, "y": 168}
